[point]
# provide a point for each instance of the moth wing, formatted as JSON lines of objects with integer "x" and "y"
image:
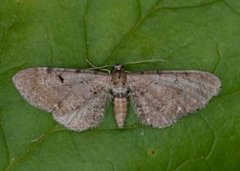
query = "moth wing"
{"x": 161, "y": 98}
{"x": 77, "y": 98}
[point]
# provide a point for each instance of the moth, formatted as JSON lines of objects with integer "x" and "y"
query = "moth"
{"x": 78, "y": 98}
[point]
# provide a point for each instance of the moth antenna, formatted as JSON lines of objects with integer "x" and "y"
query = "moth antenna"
{"x": 89, "y": 63}
{"x": 129, "y": 72}
{"x": 144, "y": 61}
{"x": 102, "y": 68}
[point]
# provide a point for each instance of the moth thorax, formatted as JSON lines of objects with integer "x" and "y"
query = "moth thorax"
{"x": 120, "y": 110}
{"x": 119, "y": 91}
{"x": 119, "y": 77}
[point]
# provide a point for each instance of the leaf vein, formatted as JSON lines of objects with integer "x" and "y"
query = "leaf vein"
{"x": 131, "y": 31}
{"x": 139, "y": 7}
{"x": 193, "y": 6}
{"x": 85, "y": 33}
{"x": 213, "y": 135}
{"x": 29, "y": 151}
{"x": 220, "y": 57}
{"x": 139, "y": 22}
{"x": 5, "y": 142}
{"x": 10, "y": 26}
{"x": 231, "y": 7}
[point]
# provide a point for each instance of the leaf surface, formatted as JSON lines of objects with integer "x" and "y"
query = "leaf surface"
{"x": 187, "y": 34}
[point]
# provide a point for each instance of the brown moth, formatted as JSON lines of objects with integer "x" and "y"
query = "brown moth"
{"x": 78, "y": 98}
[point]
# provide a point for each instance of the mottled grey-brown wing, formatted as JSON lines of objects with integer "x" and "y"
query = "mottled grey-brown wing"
{"x": 77, "y": 98}
{"x": 163, "y": 97}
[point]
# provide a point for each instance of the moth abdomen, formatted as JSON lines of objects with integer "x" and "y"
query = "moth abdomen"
{"x": 120, "y": 94}
{"x": 120, "y": 110}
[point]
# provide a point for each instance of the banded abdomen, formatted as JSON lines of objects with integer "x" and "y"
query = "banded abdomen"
{"x": 120, "y": 110}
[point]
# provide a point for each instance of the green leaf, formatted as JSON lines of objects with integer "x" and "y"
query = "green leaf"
{"x": 188, "y": 34}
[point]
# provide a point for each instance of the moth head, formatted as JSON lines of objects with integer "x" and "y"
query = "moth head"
{"x": 119, "y": 76}
{"x": 118, "y": 67}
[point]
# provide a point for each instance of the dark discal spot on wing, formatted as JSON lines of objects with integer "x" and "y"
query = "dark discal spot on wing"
{"x": 61, "y": 78}
{"x": 77, "y": 98}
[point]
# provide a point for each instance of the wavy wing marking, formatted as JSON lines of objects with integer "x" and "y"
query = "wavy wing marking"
{"x": 161, "y": 98}
{"x": 77, "y": 98}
